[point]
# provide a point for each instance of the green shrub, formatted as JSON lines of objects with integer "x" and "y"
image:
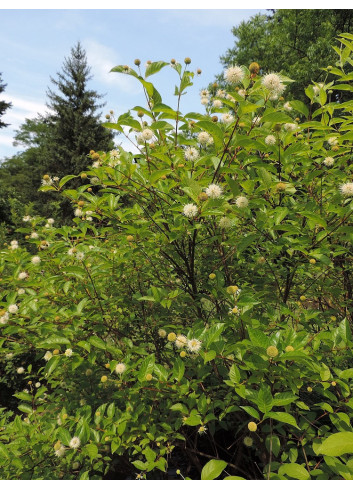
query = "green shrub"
{"x": 200, "y": 307}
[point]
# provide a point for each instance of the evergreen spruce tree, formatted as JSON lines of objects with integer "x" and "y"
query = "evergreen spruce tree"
{"x": 74, "y": 127}
{"x": 3, "y": 105}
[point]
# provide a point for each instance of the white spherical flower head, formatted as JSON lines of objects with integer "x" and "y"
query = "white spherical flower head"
{"x": 114, "y": 153}
{"x": 8, "y": 356}
{"x": 242, "y": 202}
{"x": 272, "y": 82}
{"x": 21, "y": 291}
{"x": 22, "y": 275}
{"x": 329, "y": 161}
{"x": 14, "y": 242}
{"x": 4, "y": 318}
{"x": 347, "y": 189}
{"x": 220, "y": 93}
{"x": 20, "y": 370}
{"x": 38, "y": 384}
{"x": 78, "y": 212}
{"x": 214, "y": 191}
{"x": 194, "y": 345}
{"x": 256, "y": 121}
{"x": 204, "y": 93}
{"x": 34, "y": 235}
{"x": 75, "y": 442}
{"x": 227, "y": 118}
{"x": 71, "y": 251}
{"x": 26, "y": 219}
{"x": 332, "y": 141}
{"x": 289, "y": 127}
{"x": 203, "y": 137}
{"x": 181, "y": 341}
{"x": 120, "y": 368}
{"x": 162, "y": 333}
{"x": 217, "y": 104}
{"x": 48, "y": 356}
{"x": 68, "y": 352}
{"x": 13, "y": 308}
{"x": 35, "y": 260}
{"x": 191, "y": 154}
{"x": 242, "y": 93}
{"x": 190, "y": 210}
{"x": 204, "y": 100}
{"x": 140, "y": 139}
{"x": 60, "y": 452}
{"x": 94, "y": 180}
{"x": 287, "y": 106}
{"x": 50, "y": 220}
{"x": 147, "y": 134}
{"x": 270, "y": 140}
{"x": 80, "y": 256}
{"x": 234, "y": 74}
{"x": 225, "y": 223}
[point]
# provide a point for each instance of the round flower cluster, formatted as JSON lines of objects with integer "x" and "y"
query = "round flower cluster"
{"x": 13, "y": 308}
{"x": 162, "y": 333}
{"x": 205, "y": 96}
{"x": 273, "y": 84}
{"x": 332, "y": 141}
{"x": 329, "y": 161}
{"x": 217, "y": 104}
{"x": 14, "y": 244}
{"x": 181, "y": 341}
{"x": 4, "y": 317}
{"x": 221, "y": 93}
{"x": 27, "y": 219}
{"x": 50, "y": 221}
{"x": 120, "y": 368}
{"x": 225, "y": 223}
{"x": 22, "y": 275}
{"x": 68, "y": 352}
{"x": 191, "y": 154}
{"x": 347, "y": 189}
{"x": 227, "y": 118}
{"x": 234, "y": 74}
{"x": 48, "y": 356}
{"x": 214, "y": 191}
{"x": 35, "y": 260}
{"x": 289, "y": 127}
{"x": 190, "y": 210}
{"x": 147, "y": 134}
{"x": 241, "y": 202}
{"x": 242, "y": 93}
{"x": 75, "y": 442}
{"x": 78, "y": 212}
{"x": 256, "y": 121}
{"x": 204, "y": 138}
{"x": 194, "y": 345}
{"x": 287, "y": 106}
{"x": 270, "y": 140}
{"x": 34, "y": 235}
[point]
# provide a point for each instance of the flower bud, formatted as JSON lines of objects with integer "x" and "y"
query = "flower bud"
{"x": 137, "y": 62}
{"x": 187, "y": 61}
{"x": 254, "y": 68}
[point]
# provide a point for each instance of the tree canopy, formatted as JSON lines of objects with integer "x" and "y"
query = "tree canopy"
{"x": 296, "y": 42}
{"x": 4, "y": 106}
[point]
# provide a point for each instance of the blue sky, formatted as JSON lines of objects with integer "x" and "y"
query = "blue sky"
{"x": 34, "y": 44}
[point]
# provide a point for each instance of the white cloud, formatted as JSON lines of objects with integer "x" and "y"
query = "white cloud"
{"x": 22, "y": 109}
{"x": 6, "y": 140}
{"x": 102, "y": 59}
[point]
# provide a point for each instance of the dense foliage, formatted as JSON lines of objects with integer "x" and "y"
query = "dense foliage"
{"x": 199, "y": 308}
{"x": 296, "y": 42}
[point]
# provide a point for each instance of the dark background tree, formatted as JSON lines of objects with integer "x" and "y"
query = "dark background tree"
{"x": 296, "y": 42}
{"x": 74, "y": 126}
{"x": 3, "y": 105}
{"x": 56, "y": 143}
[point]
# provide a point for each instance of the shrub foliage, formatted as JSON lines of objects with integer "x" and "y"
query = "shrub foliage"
{"x": 199, "y": 308}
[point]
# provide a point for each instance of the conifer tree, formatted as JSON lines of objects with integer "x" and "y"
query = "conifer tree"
{"x": 74, "y": 126}
{"x": 3, "y": 105}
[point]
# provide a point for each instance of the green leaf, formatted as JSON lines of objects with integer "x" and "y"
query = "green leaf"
{"x": 209, "y": 355}
{"x": 66, "y": 179}
{"x": 283, "y": 418}
{"x": 213, "y": 469}
{"x": 53, "y": 341}
{"x": 193, "y": 420}
{"x": 97, "y": 342}
{"x": 252, "y": 411}
{"x": 299, "y": 106}
{"x": 337, "y": 444}
{"x": 64, "y": 436}
{"x": 264, "y": 399}
{"x": 115, "y": 445}
{"x": 295, "y": 471}
{"x": 51, "y": 365}
{"x": 234, "y": 374}
{"x": 258, "y": 338}
{"x": 178, "y": 369}
{"x": 92, "y": 451}
{"x": 25, "y": 408}
{"x": 276, "y": 118}
{"x": 4, "y": 453}
{"x": 154, "y": 67}
{"x": 146, "y": 367}
{"x": 83, "y": 431}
